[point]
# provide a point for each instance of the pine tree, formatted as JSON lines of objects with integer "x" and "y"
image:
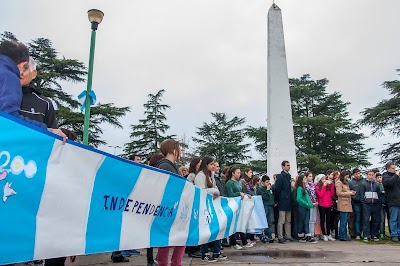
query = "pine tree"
{"x": 51, "y": 71}
{"x": 222, "y": 140}
{"x": 385, "y": 118}
{"x": 325, "y": 136}
{"x": 147, "y": 135}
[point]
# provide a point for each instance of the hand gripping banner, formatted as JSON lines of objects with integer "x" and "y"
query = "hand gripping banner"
{"x": 61, "y": 200}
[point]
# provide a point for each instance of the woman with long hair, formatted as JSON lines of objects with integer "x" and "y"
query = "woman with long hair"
{"x": 234, "y": 189}
{"x": 344, "y": 203}
{"x": 193, "y": 168}
{"x": 205, "y": 180}
{"x": 304, "y": 207}
{"x": 246, "y": 180}
{"x": 310, "y": 187}
{"x": 325, "y": 191}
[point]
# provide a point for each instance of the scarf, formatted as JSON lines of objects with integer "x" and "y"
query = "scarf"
{"x": 310, "y": 187}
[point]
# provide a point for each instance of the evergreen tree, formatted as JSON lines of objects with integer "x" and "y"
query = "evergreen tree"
{"x": 147, "y": 135}
{"x": 222, "y": 140}
{"x": 385, "y": 118}
{"x": 51, "y": 71}
{"x": 325, "y": 136}
{"x": 259, "y": 136}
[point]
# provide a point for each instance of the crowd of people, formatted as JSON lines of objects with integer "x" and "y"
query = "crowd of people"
{"x": 305, "y": 208}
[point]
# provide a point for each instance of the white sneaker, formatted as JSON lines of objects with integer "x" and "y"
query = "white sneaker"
{"x": 238, "y": 247}
{"x": 358, "y": 238}
{"x": 249, "y": 245}
{"x": 330, "y": 238}
{"x": 325, "y": 238}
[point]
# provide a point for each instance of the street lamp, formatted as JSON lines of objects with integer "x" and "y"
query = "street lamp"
{"x": 95, "y": 17}
{"x": 115, "y": 148}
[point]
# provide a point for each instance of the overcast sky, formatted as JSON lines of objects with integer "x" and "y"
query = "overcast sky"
{"x": 210, "y": 55}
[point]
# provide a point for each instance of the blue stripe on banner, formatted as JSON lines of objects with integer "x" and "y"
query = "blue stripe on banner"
{"x": 239, "y": 203}
{"x": 113, "y": 185}
{"x": 25, "y": 175}
{"x": 161, "y": 226}
{"x": 193, "y": 238}
{"x": 214, "y": 225}
{"x": 229, "y": 214}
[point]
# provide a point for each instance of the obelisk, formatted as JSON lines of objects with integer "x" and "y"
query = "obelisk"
{"x": 280, "y": 140}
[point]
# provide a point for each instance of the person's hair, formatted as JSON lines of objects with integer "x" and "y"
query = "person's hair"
{"x": 155, "y": 159}
{"x": 32, "y": 64}
{"x": 193, "y": 163}
{"x": 245, "y": 171}
{"x": 284, "y": 163}
{"x": 255, "y": 180}
{"x": 169, "y": 146}
{"x": 229, "y": 173}
{"x": 378, "y": 174}
{"x": 336, "y": 173}
{"x": 320, "y": 184}
{"x": 180, "y": 170}
{"x": 371, "y": 171}
{"x": 328, "y": 172}
{"x": 299, "y": 183}
{"x": 226, "y": 168}
{"x": 265, "y": 178}
{"x": 388, "y": 165}
{"x": 203, "y": 167}
{"x": 16, "y": 51}
{"x": 69, "y": 133}
{"x": 342, "y": 176}
{"x": 132, "y": 156}
{"x": 306, "y": 174}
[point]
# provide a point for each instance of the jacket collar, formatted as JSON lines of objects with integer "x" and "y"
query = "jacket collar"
{"x": 31, "y": 88}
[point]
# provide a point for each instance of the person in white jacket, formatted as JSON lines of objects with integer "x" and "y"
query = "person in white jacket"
{"x": 205, "y": 180}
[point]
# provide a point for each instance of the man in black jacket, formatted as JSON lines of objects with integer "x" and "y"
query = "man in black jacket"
{"x": 370, "y": 195}
{"x": 355, "y": 218}
{"x": 283, "y": 197}
{"x": 391, "y": 182}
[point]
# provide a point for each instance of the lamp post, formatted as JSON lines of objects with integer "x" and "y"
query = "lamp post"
{"x": 95, "y": 17}
{"x": 115, "y": 148}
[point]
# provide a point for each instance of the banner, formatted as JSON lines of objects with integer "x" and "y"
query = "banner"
{"x": 61, "y": 200}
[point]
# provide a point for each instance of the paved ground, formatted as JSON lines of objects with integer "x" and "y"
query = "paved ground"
{"x": 322, "y": 253}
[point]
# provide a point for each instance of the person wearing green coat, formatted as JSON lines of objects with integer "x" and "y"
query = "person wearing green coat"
{"x": 305, "y": 204}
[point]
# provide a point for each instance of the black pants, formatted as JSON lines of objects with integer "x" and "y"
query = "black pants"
{"x": 56, "y": 261}
{"x": 232, "y": 239}
{"x": 325, "y": 217}
{"x": 149, "y": 255}
{"x": 372, "y": 211}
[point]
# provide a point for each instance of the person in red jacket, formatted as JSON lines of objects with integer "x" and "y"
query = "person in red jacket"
{"x": 325, "y": 191}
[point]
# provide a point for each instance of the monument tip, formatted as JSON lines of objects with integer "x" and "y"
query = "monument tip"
{"x": 274, "y": 7}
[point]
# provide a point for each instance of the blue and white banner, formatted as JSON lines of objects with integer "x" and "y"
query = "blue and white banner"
{"x": 61, "y": 200}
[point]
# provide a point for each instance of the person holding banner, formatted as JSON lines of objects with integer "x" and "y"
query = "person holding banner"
{"x": 234, "y": 189}
{"x": 205, "y": 180}
{"x": 171, "y": 150}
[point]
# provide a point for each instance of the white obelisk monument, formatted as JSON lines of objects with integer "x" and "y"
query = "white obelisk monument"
{"x": 280, "y": 142}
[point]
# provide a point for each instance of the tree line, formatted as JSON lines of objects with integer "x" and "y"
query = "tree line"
{"x": 325, "y": 136}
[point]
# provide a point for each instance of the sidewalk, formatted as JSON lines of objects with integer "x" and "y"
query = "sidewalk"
{"x": 322, "y": 253}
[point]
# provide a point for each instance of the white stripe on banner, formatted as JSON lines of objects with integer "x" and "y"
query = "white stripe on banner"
{"x": 204, "y": 218}
{"x": 146, "y": 196}
{"x": 180, "y": 228}
{"x": 63, "y": 213}
{"x": 235, "y": 208}
{"x": 221, "y": 216}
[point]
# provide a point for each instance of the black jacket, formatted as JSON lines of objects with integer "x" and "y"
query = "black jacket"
{"x": 391, "y": 182}
{"x": 220, "y": 185}
{"x": 167, "y": 165}
{"x": 355, "y": 184}
{"x": 37, "y": 107}
{"x": 283, "y": 191}
{"x": 370, "y": 193}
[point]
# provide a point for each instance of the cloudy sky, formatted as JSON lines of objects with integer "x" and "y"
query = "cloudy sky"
{"x": 210, "y": 55}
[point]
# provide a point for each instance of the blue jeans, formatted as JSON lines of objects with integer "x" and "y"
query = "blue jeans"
{"x": 304, "y": 221}
{"x": 344, "y": 218}
{"x": 394, "y": 221}
{"x": 357, "y": 220}
{"x": 216, "y": 249}
{"x": 373, "y": 211}
{"x": 269, "y": 212}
